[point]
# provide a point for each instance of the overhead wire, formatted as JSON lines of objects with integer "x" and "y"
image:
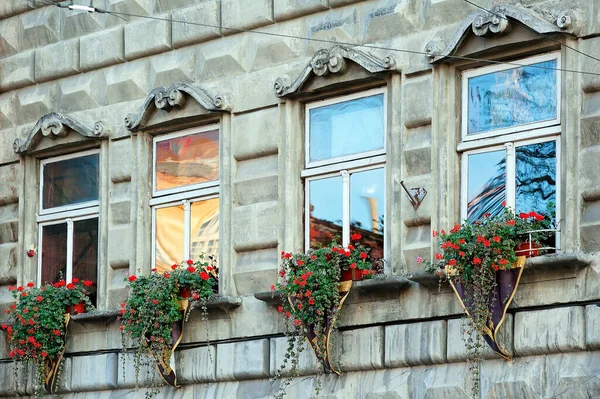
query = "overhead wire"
{"x": 335, "y": 42}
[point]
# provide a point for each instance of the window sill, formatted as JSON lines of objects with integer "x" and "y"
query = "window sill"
{"x": 561, "y": 262}
{"x": 385, "y": 284}
{"x": 96, "y": 315}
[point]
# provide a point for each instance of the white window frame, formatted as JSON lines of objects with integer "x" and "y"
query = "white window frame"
{"x": 336, "y": 100}
{"x": 344, "y": 166}
{"x": 66, "y": 208}
{"x": 466, "y": 75}
{"x": 185, "y": 195}
{"x": 67, "y": 214}
{"x": 190, "y": 187}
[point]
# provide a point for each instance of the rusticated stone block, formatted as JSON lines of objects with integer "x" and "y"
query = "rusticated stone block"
{"x": 83, "y": 91}
{"x": 127, "y": 82}
{"x": 415, "y": 344}
{"x": 255, "y": 271}
{"x": 119, "y": 152}
{"x": 196, "y": 365}
{"x": 39, "y": 27}
{"x": 243, "y": 360}
{"x": 139, "y": 7}
{"x": 7, "y": 138}
{"x": 225, "y": 57}
{"x": 360, "y": 349}
{"x": 255, "y": 13}
{"x": 9, "y": 176}
{"x": 102, "y": 49}
{"x": 287, "y": 9}
{"x": 9, "y": 231}
{"x": 185, "y": 34}
{"x": 168, "y": 5}
{"x": 256, "y": 180}
{"x": 146, "y": 37}
{"x": 341, "y": 24}
{"x": 589, "y": 179}
{"x": 95, "y": 372}
{"x": 171, "y": 67}
{"x": 76, "y": 23}
{"x": 8, "y": 103}
{"x": 36, "y": 101}
{"x": 11, "y": 7}
{"x": 590, "y": 131}
{"x": 8, "y": 261}
{"x": 592, "y": 327}
{"x": 9, "y": 36}
{"x": 120, "y": 212}
{"x": 456, "y": 349}
{"x": 550, "y": 331}
{"x": 119, "y": 246}
{"x": 307, "y": 362}
{"x": 591, "y": 83}
{"x": 590, "y": 237}
{"x": 57, "y": 60}
{"x": 254, "y": 226}
{"x": 17, "y": 71}
{"x": 418, "y": 98}
{"x": 257, "y": 134}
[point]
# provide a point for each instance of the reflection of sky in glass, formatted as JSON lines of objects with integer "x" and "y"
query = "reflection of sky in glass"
{"x": 536, "y": 177}
{"x": 192, "y": 159}
{"x": 350, "y": 127}
{"x": 367, "y": 204}
{"x": 513, "y": 97}
{"x": 486, "y": 184}
{"x": 71, "y": 181}
{"x": 325, "y": 210}
{"x": 169, "y": 237}
{"x": 205, "y": 228}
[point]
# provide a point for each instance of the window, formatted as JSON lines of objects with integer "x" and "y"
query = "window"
{"x": 185, "y": 202}
{"x": 511, "y": 131}
{"x": 345, "y": 170}
{"x": 68, "y": 217}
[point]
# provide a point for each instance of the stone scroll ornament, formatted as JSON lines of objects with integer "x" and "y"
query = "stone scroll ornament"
{"x": 507, "y": 282}
{"x": 165, "y": 361}
{"x": 312, "y": 335}
{"x": 52, "y": 364}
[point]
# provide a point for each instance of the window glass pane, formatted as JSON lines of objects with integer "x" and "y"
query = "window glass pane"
{"x": 536, "y": 177}
{"x": 325, "y": 211}
{"x": 513, "y": 97}
{"x": 367, "y": 207}
{"x": 346, "y": 128}
{"x": 486, "y": 184}
{"x": 70, "y": 181}
{"x": 54, "y": 252}
{"x": 187, "y": 160}
{"x": 85, "y": 252}
{"x": 169, "y": 237}
{"x": 205, "y": 228}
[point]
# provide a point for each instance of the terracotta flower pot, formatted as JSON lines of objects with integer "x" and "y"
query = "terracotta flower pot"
{"x": 185, "y": 292}
{"x": 528, "y": 249}
{"x": 76, "y": 309}
{"x": 352, "y": 274}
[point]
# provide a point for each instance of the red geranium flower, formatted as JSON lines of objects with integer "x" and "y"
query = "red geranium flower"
{"x": 204, "y": 276}
{"x": 191, "y": 269}
{"x": 30, "y": 284}
{"x": 363, "y": 255}
{"x": 190, "y": 262}
{"x": 132, "y": 278}
{"x": 355, "y": 237}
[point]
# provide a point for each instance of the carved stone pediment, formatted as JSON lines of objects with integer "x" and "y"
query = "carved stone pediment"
{"x": 498, "y": 22}
{"x": 175, "y": 96}
{"x": 333, "y": 61}
{"x": 55, "y": 125}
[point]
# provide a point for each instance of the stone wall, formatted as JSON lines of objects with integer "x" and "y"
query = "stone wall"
{"x": 404, "y": 343}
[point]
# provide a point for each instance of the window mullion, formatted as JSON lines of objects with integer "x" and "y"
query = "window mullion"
{"x": 187, "y": 221}
{"x": 511, "y": 190}
{"x": 345, "y": 208}
{"x": 69, "y": 266}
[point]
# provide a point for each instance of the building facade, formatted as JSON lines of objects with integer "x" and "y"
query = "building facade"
{"x": 243, "y": 129}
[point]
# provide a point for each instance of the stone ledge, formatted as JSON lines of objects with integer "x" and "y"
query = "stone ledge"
{"x": 224, "y": 303}
{"x": 425, "y": 279}
{"x": 382, "y": 285}
{"x": 96, "y": 315}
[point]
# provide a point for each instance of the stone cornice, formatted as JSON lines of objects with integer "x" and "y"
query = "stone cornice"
{"x": 333, "y": 61}
{"x": 498, "y": 22}
{"x": 175, "y": 96}
{"x": 55, "y": 125}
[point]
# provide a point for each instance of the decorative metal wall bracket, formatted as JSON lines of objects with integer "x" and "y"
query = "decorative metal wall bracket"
{"x": 415, "y": 195}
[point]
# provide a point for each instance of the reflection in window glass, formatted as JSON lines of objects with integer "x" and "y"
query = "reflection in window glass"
{"x": 204, "y": 232}
{"x": 85, "y": 252}
{"x": 169, "y": 237}
{"x": 486, "y": 185}
{"x": 346, "y": 128}
{"x": 325, "y": 211}
{"x": 187, "y": 160}
{"x": 536, "y": 177}
{"x": 512, "y": 97}
{"x": 71, "y": 181}
{"x": 367, "y": 204}
{"x": 54, "y": 252}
